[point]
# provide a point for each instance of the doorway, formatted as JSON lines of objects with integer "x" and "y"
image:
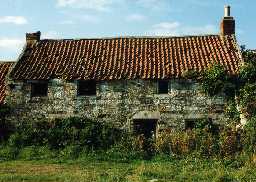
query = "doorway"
{"x": 145, "y": 127}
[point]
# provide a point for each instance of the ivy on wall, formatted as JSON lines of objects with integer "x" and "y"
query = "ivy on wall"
{"x": 216, "y": 80}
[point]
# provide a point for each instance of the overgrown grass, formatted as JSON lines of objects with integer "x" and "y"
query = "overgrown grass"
{"x": 158, "y": 169}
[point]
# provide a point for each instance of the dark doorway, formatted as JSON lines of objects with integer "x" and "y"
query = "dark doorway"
{"x": 190, "y": 124}
{"x": 145, "y": 127}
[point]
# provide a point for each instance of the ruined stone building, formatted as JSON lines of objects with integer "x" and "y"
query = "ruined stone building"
{"x": 132, "y": 82}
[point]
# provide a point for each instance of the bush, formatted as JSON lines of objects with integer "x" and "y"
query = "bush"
{"x": 93, "y": 135}
{"x": 8, "y": 153}
{"x": 176, "y": 142}
{"x": 207, "y": 143}
{"x": 60, "y": 133}
{"x": 15, "y": 140}
{"x": 230, "y": 142}
{"x": 248, "y": 99}
{"x": 248, "y": 71}
{"x": 214, "y": 80}
{"x": 129, "y": 148}
{"x": 249, "y": 136}
{"x": 70, "y": 152}
{"x": 28, "y": 153}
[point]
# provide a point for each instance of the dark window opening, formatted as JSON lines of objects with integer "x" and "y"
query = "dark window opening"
{"x": 86, "y": 88}
{"x": 190, "y": 124}
{"x": 12, "y": 86}
{"x": 163, "y": 86}
{"x": 145, "y": 127}
{"x": 39, "y": 89}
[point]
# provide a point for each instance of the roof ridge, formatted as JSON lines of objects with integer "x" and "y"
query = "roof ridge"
{"x": 133, "y": 37}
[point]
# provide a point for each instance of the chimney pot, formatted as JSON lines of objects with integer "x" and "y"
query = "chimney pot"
{"x": 227, "y": 11}
{"x": 227, "y": 26}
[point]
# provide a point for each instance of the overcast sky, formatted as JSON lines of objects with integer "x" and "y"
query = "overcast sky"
{"x": 58, "y": 19}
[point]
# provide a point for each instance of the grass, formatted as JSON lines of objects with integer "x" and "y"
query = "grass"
{"x": 160, "y": 170}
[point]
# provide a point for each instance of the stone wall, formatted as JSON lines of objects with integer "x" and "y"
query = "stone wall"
{"x": 118, "y": 102}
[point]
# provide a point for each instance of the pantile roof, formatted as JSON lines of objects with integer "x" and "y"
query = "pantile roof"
{"x": 4, "y": 68}
{"x": 126, "y": 57}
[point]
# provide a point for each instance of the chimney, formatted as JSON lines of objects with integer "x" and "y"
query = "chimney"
{"x": 32, "y": 38}
{"x": 227, "y": 26}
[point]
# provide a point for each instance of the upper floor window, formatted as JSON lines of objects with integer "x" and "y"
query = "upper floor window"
{"x": 39, "y": 89}
{"x": 86, "y": 87}
{"x": 163, "y": 86}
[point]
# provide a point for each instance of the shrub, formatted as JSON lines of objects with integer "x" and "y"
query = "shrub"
{"x": 248, "y": 71}
{"x": 248, "y": 99}
{"x": 129, "y": 148}
{"x": 207, "y": 143}
{"x": 28, "y": 153}
{"x": 214, "y": 80}
{"x": 176, "y": 142}
{"x": 249, "y": 135}
{"x": 70, "y": 152}
{"x": 15, "y": 140}
{"x": 230, "y": 142}
{"x": 33, "y": 132}
{"x": 8, "y": 152}
{"x": 84, "y": 132}
{"x": 232, "y": 113}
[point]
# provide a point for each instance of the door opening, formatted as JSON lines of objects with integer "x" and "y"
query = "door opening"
{"x": 145, "y": 127}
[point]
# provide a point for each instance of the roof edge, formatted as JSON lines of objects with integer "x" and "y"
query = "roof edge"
{"x": 238, "y": 49}
{"x": 6, "y": 61}
{"x": 17, "y": 61}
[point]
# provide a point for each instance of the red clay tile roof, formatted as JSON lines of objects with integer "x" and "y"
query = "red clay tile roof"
{"x": 4, "y": 68}
{"x": 126, "y": 58}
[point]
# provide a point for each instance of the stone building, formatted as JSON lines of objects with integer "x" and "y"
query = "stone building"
{"x": 135, "y": 83}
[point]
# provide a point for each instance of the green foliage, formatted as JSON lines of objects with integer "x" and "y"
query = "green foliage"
{"x": 230, "y": 142}
{"x": 247, "y": 98}
{"x": 214, "y": 80}
{"x": 249, "y": 135}
{"x": 84, "y": 132}
{"x": 8, "y": 152}
{"x": 70, "y": 152}
{"x": 232, "y": 113}
{"x": 205, "y": 140}
{"x": 248, "y": 71}
{"x": 163, "y": 169}
{"x": 191, "y": 74}
{"x": 60, "y": 133}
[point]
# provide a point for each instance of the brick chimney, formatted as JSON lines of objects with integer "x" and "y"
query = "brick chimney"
{"x": 32, "y": 38}
{"x": 227, "y": 26}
